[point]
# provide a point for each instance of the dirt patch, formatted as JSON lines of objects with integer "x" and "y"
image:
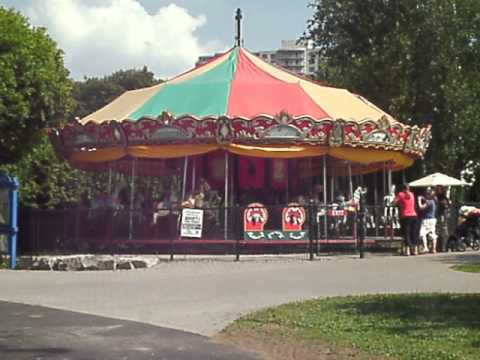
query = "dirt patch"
{"x": 272, "y": 342}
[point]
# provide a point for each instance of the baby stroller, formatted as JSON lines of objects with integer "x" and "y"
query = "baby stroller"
{"x": 467, "y": 233}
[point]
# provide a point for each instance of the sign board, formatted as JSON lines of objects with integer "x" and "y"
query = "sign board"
{"x": 275, "y": 235}
{"x": 255, "y": 217}
{"x": 293, "y": 217}
{"x": 192, "y": 223}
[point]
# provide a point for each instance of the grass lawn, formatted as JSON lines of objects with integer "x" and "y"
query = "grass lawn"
{"x": 473, "y": 268}
{"x": 410, "y": 326}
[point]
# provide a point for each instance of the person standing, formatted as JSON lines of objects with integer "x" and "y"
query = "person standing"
{"x": 428, "y": 207}
{"x": 405, "y": 200}
{"x": 442, "y": 216}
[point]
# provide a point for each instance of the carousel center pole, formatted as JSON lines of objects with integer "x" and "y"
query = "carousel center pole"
{"x": 132, "y": 199}
{"x": 238, "y": 19}
{"x": 225, "y": 220}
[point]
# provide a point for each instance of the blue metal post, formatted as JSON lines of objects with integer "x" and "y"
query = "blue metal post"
{"x": 12, "y": 244}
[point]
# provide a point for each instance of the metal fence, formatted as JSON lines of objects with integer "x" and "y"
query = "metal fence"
{"x": 115, "y": 230}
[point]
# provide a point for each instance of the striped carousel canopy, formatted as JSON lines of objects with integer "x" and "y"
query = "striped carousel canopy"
{"x": 238, "y": 84}
{"x": 241, "y": 104}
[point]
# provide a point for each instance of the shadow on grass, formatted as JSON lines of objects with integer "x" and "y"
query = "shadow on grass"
{"x": 410, "y": 313}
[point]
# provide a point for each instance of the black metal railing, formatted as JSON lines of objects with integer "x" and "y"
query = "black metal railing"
{"x": 112, "y": 230}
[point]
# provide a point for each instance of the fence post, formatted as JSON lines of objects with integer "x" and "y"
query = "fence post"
{"x": 361, "y": 232}
{"x": 13, "y": 222}
{"x": 238, "y": 232}
{"x": 176, "y": 235}
{"x": 311, "y": 227}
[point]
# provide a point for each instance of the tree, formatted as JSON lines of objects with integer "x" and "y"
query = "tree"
{"x": 45, "y": 180}
{"x": 34, "y": 85}
{"x": 93, "y": 93}
{"x": 416, "y": 59}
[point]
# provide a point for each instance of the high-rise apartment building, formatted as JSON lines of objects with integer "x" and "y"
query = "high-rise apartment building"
{"x": 299, "y": 58}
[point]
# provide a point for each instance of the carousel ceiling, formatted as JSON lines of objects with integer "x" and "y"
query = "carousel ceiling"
{"x": 242, "y": 104}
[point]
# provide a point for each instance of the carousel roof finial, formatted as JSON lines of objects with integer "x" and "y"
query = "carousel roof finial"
{"x": 238, "y": 18}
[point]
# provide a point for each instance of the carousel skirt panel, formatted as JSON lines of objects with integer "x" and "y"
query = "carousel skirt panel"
{"x": 99, "y": 155}
{"x": 170, "y": 151}
{"x": 277, "y": 152}
{"x": 368, "y": 156}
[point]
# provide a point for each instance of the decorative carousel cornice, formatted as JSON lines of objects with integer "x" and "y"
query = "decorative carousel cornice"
{"x": 263, "y": 129}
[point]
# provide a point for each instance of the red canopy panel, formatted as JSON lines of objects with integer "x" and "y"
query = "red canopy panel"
{"x": 254, "y": 92}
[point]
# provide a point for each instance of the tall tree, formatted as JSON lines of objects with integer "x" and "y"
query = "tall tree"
{"x": 45, "y": 180}
{"x": 34, "y": 84}
{"x": 418, "y": 59}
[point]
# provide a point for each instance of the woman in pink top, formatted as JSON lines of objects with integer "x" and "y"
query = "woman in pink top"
{"x": 405, "y": 200}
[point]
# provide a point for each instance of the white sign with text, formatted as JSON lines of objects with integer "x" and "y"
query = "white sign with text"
{"x": 192, "y": 223}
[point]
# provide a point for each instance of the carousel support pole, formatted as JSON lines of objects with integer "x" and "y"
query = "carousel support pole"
{"x": 311, "y": 226}
{"x": 350, "y": 181}
{"x": 184, "y": 180}
{"x": 316, "y": 228}
{"x": 404, "y": 177}
{"x": 332, "y": 188}
{"x": 389, "y": 184}
{"x": 325, "y": 224}
{"x": 132, "y": 199}
{"x": 389, "y": 180}
{"x": 384, "y": 181}
{"x": 184, "y": 190}
{"x": 375, "y": 202}
{"x": 350, "y": 189}
{"x": 225, "y": 220}
{"x": 109, "y": 178}
{"x": 310, "y": 173}
{"x": 287, "y": 189}
{"x": 194, "y": 172}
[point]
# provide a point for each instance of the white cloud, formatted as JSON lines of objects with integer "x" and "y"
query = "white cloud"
{"x": 102, "y": 36}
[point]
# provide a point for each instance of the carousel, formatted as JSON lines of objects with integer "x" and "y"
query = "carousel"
{"x": 248, "y": 133}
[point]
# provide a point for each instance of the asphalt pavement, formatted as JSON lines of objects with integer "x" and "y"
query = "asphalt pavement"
{"x": 39, "y": 333}
{"x": 204, "y": 295}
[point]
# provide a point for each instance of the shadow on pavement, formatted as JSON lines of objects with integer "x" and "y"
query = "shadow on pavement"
{"x": 35, "y": 332}
{"x": 458, "y": 258}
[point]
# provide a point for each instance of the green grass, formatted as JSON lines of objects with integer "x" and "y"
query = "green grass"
{"x": 411, "y": 326}
{"x": 4, "y": 264}
{"x": 472, "y": 268}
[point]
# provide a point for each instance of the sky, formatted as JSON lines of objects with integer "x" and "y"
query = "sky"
{"x": 100, "y": 37}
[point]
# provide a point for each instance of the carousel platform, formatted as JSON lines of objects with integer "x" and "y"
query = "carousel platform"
{"x": 220, "y": 246}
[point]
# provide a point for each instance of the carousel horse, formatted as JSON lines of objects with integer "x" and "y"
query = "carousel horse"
{"x": 390, "y": 210}
{"x": 357, "y": 196}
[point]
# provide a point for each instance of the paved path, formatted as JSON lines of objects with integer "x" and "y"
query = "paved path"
{"x": 204, "y": 296}
{"x": 34, "y": 332}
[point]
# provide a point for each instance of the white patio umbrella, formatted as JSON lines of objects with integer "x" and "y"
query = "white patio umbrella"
{"x": 437, "y": 179}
